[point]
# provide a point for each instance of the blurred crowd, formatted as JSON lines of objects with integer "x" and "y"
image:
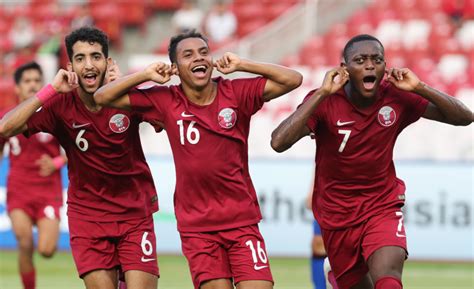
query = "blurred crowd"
{"x": 433, "y": 37}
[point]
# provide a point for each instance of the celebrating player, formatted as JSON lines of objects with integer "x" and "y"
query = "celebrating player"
{"x": 111, "y": 196}
{"x": 207, "y": 122}
{"x": 34, "y": 192}
{"x": 356, "y": 117}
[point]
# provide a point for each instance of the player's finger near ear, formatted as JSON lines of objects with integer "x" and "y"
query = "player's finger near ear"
{"x": 399, "y": 74}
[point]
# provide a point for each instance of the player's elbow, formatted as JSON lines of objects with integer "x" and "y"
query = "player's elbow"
{"x": 295, "y": 80}
{"x": 463, "y": 120}
{"x": 100, "y": 97}
{"x": 277, "y": 143}
{"x": 6, "y": 130}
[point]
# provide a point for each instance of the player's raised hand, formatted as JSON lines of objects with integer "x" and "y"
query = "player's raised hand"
{"x": 228, "y": 63}
{"x": 46, "y": 165}
{"x": 113, "y": 71}
{"x": 334, "y": 80}
{"x": 403, "y": 78}
{"x": 65, "y": 81}
{"x": 159, "y": 72}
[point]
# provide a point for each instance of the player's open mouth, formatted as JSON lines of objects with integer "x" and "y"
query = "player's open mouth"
{"x": 199, "y": 71}
{"x": 369, "y": 82}
{"x": 90, "y": 78}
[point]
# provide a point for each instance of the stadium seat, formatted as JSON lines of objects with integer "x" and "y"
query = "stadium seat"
{"x": 465, "y": 35}
{"x": 452, "y": 66}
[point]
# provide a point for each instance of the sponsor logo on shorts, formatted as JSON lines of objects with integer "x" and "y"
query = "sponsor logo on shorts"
{"x": 144, "y": 260}
{"x": 49, "y": 212}
{"x": 400, "y": 235}
{"x": 257, "y": 268}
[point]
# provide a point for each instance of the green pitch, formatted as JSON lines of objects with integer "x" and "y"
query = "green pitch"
{"x": 289, "y": 273}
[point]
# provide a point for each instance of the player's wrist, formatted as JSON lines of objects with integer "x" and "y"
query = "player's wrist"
{"x": 58, "y": 162}
{"x": 46, "y": 93}
{"x": 419, "y": 87}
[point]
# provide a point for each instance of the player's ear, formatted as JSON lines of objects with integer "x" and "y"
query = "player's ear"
{"x": 69, "y": 66}
{"x": 109, "y": 61}
{"x": 174, "y": 68}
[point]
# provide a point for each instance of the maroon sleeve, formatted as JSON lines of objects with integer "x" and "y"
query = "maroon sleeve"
{"x": 149, "y": 104}
{"x": 45, "y": 118}
{"x": 250, "y": 93}
{"x": 414, "y": 104}
{"x": 313, "y": 119}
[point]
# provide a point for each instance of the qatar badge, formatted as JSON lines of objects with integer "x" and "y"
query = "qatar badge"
{"x": 387, "y": 116}
{"x": 119, "y": 123}
{"x": 227, "y": 118}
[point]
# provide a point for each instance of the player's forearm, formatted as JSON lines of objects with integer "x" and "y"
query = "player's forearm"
{"x": 112, "y": 91}
{"x": 294, "y": 127}
{"x": 14, "y": 122}
{"x": 285, "y": 77}
{"x": 454, "y": 111}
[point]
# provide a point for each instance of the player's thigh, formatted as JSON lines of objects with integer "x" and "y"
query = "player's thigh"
{"x": 384, "y": 244}
{"x": 101, "y": 279}
{"x": 136, "y": 279}
{"x": 92, "y": 246}
{"x": 22, "y": 226}
{"x": 217, "y": 284}
{"x": 207, "y": 258}
{"x": 48, "y": 234}
{"x": 248, "y": 255}
{"x": 364, "y": 283}
{"x": 137, "y": 246}
{"x": 387, "y": 261}
{"x": 255, "y": 284}
{"x": 345, "y": 253}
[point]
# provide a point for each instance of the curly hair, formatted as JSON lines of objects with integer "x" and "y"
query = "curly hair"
{"x": 87, "y": 34}
{"x": 178, "y": 38}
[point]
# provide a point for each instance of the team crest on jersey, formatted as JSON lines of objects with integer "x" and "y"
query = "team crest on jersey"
{"x": 227, "y": 118}
{"x": 44, "y": 137}
{"x": 119, "y": 123}
{"x": 387, "y": 116}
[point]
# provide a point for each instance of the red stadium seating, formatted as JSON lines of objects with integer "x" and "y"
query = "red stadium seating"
{"x": 416, "y": 33}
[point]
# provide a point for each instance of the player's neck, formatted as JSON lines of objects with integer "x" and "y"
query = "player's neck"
{"x": 204, "y": 96}
{"x": 88, "y": 100}
{"x": 356, "y": 99}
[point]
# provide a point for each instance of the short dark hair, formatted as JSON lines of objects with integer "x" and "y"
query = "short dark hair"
{"x": 178, "y": 38}
{"x": 359, "y": 38}
{"x": 27, "y": 66}
{"x": 87, "y": 34}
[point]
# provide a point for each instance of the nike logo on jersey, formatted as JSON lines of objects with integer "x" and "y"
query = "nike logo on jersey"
{"x": 259, "y": 267}
{"x": 74, "y": 125}
{"x": 184, "y": 114}
{"x": 144, "y": 260}
{"x": 400, "y": 235}
{"x": 341, "y": 123}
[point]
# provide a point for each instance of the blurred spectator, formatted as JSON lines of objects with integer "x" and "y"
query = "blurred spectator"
{"x": 21, "y": 34}
{"x": 52, "y": 28}
{"x": 188, "y": 17}
{"x": 220, "y": 24}
{"x": 83, "y": 18}
{"x": 458, "y": 10}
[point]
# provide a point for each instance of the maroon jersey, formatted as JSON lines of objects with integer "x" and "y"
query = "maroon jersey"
{"x": 109, "y": 179}
{"x": 355, "y": 174}
{"x": 213, "y": 186}
{"x": 24, "y": 180}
